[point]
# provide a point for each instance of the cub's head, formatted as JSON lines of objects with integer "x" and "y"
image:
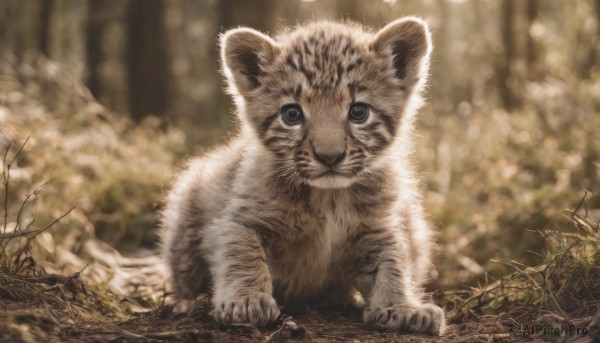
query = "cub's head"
{"x": 327, "y": 100}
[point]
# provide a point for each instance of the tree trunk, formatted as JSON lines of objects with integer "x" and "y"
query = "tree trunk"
{"x": 505, "y": 64}
{"x": 94, "y": 34}
{"x": 594, "y": 53}
{"x": 532, "y": 45}
{"x": 147, "y": 58}
{"x": 45, "y": 21}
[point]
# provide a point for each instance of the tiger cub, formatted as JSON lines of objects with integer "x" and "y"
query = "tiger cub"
{"x": 315, "y": 197}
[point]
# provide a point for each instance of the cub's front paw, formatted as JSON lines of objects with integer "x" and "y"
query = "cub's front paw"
{"x": 423, "y": 318}
{"x": 259, "y": 309}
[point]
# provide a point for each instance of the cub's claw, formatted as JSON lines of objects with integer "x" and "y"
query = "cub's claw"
{"x": 424, "y": 318}
{"x": 259, "y": 309}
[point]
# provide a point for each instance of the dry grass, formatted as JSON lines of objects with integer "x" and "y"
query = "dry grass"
{"x": 497, "y": 194}
{"x": 567, "y": 283}
{"x": 29, "y": 293}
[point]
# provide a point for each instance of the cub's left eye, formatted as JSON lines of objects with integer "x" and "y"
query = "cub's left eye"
{"x": 358, "y": 113}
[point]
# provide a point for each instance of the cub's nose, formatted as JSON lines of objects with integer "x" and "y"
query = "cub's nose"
{"x": 330, "y": 158}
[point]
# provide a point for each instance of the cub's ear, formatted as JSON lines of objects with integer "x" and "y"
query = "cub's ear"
{"x": 408, "y": 41}
{"x": 244, "y": 55}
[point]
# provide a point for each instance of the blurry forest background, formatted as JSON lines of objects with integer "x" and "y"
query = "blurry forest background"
{"x": 114, "y": 95}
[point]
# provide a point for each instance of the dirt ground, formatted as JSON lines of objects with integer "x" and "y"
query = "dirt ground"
{"x": 32, "y": 322}
{"x": 56, "y": 315}
{"x": 128, "y": 305}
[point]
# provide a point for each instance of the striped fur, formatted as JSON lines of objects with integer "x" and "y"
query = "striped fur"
{"x": 264, "y": 217}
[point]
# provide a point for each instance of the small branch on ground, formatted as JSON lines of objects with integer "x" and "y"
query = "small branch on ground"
{"x": 72, "y": 283}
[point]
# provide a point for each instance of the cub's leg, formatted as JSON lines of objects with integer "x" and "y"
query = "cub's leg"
{"x": 189, "y": 270}
{"x": 242, "y": 283}
{"x": 381, "y": 272}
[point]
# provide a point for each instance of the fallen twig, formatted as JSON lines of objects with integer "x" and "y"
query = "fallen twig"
{"x": 71, "y": 282}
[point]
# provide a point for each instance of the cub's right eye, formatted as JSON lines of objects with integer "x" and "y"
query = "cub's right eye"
{"x": 292, "y": 114}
